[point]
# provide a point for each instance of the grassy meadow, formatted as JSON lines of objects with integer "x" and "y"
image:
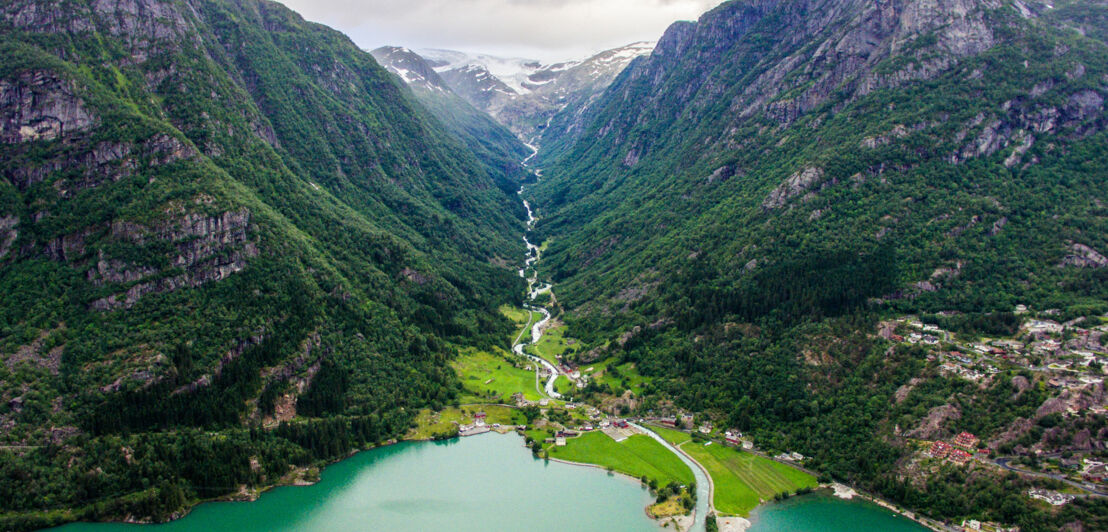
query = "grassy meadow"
{"x": 744, "y": 480}
{"x": 636, "y": 456}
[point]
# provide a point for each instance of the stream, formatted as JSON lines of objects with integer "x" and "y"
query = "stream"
{"x": 535, "y": 288}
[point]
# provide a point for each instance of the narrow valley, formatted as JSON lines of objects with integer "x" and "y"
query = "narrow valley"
{"x": 719, "y": 265}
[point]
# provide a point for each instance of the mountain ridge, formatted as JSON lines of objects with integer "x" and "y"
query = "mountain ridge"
{"x": 216, "y": 216}
{"x": 743, "y": 207}
{"x": 525, "y": 94}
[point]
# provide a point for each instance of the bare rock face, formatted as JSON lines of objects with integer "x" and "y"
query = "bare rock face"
{"x": 146, "y": 24}
{"x": 34, "y": 354}
{"x": 103, "y": 163}
{"x": 1083, "y": 256}
{"x": 1015, "y": 431}
{"x": 904, "y": 391}
{"x": 207, "y": 248}
{"x": 1054, "y": 405}
{"x": 8, "y": 233}
{"x": 932, "y": 425}
{"x": 849, "y": 50}
{"x": 795, "y": 185}
{"x": 1083, "y": 439}
{"x": 1086, "y": 104}
{"x": 40, "y": 105}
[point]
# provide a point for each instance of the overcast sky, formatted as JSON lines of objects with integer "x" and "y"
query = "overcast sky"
{"x": 540, "y": 29}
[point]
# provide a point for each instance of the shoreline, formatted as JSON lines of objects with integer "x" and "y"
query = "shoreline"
{"x": 726, "y": 523}
{"x": 738, "y": 523}
{"x": 661, "y": 522}
{"x": 846, "y": 493}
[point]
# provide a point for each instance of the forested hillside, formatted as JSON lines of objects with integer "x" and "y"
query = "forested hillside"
{"x": 743, "y": 206}
{"x": 497, "y": 146}
{"x": 215, "y": 216}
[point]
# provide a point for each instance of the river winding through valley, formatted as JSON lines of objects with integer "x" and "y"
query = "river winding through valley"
{"x": 535, "y": 288}
{"x": 488, "y": 483}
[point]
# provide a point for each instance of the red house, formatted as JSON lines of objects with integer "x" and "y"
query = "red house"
{"x": 966, "y": 440}
{"x": 959, "y": 456}
{"x": 940, "y": 449}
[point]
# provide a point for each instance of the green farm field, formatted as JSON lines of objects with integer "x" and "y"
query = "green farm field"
{"x": 673, "y": 436}
{"x": 489, "y": 377}
{"x": 636, "y": 456}
{"x": 744, "y": 480}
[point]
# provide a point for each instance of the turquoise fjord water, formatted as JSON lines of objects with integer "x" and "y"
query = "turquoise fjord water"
{"x": 480, "y": 483}
{"x": 822, "y": 512}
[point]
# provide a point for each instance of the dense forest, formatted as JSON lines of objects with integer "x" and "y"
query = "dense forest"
{"x": 232, "y": 248}
{"x": 745, "y": 205}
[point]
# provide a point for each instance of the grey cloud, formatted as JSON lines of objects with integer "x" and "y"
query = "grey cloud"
{"x": 545, "y": 29}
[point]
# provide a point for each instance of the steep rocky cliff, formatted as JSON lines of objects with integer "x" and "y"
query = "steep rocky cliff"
{"x": 735, "y": 122}
{"x": 741, "y": 206}
{"x": 206, "y": 207}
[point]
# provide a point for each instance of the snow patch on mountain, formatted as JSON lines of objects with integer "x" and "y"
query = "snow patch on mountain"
{"x": 511, "y": 71}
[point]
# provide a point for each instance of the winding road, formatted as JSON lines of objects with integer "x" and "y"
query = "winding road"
{"x": 1003, "y": 463}
{"x": 704, "y": 487}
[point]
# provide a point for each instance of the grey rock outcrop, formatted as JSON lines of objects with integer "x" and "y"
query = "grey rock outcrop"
{"x": 40, "y": 105}
{"x": 8, "y": 233}
{"x": 1082, "y": 256}
{"x": 795, "y": 185}
{"x": 207, "y": 248}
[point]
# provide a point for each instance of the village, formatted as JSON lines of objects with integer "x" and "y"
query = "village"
{"x": 1072, "y": 356}
{"x": 590, "y": 419}
{"x": 1067, "y": 359}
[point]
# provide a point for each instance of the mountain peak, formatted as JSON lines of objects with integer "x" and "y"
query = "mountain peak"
{"x": 521, "y": 93}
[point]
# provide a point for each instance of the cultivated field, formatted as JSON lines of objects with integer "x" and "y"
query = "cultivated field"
{"x": 636, "y": 456}
{"x": 674, "y": 436}
{"x": 744, "y": 480}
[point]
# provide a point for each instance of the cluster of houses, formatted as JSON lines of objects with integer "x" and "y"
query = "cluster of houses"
{"x": 684, "y": 421}
{"x": 560, "y": 437}
{"x": 789, "y": 457}
{"x": 962, "y": 366}
{"x": 1072, "y": 357}
{"x": 1051, "y": 497}
{"x": 734, "y": 437}
{"x": 477, "y": 427}
{"x": 957, "y": 450}
{"x": 973, "y": 525}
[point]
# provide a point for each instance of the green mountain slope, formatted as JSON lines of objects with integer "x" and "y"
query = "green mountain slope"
{"x": 230, "y": 244}
{"x": 497, "y": 146}
{"x": 744, "y": 205}
{"x": 943, "y": 150}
